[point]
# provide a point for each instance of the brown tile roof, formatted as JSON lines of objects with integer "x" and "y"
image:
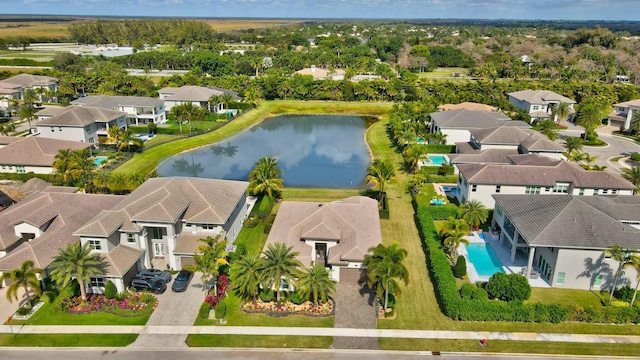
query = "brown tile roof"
{"x": 540, "y": 96}
{"x": 626, "y": 104}
{"x": 188, "y": 243}
{"x": 36, "y": 151}
{"x": 60, "y": 212}
{"x": 507, "y": 135}
{"x": 113, "y": 102}
{"x": 467, "y": 105}
{"x": 52, "y": 110}
{"x": 29, "y": 80}
{"x": 533, "y": 160}
{"x": 563, "y": 172}
{"x": 118, "y": 261}
{"x": 354, "y": 223}
{"x": 77, "y": 116}
{"x": 487, "y": 156}
{"x": 473, "y": 119}
{"x": 193, "y": 93}
{"x": 5, "y": 140}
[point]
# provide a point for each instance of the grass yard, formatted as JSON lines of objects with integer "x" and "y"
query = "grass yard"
{"x": 252, "y": 239}
{"x": 260, "y": 341}
{"x": 503, "y": 346}
{"x": 235, "y": 317}
{"x": 303, "y": 194}
{"x": 567, "y": 296}
{"x": 67, "y": 340}
{"x": 440, "y": 73}
{"x": 34, "y": 29}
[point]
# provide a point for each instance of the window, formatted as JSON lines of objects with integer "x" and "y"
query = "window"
{"x": 96, "y": 282}
{"x": 532, "y": 190}
{"x": 474, "y": 188}
{"x": 547, "y": 189}
{"x": 614, "y": 191}
{"x": 595, "y": 191}
{"x": 208, "y": 226}
{"x": 131, "y": 238}
{"x": 497, "y": 188}
{"x": 156, "y": 233}
{"x": 499, "y": 209}
{"x": 4, "y": 167}
{"x": 581, "y": 192}
{"x": 96, "y": 244}
{"x": 560, "y": 280}
{"x": 535, "y": 107}
{"x": 561, "y": 189}
{"x": 20, "y": 169}
{"x": 605, "y": 191}
{"x": 598, "y": 280}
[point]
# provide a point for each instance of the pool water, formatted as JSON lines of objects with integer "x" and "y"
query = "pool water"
{"x": 483, "y": 259}
{"x": 99, "y": 159}
{"x": 437, "y": 159}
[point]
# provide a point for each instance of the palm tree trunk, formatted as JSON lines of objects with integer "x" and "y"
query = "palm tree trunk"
{"x": 635, "y": 293}
{"x": 26, "y": 293}
{"x": 615, "y": 283}
{"x": 83, "y": 291}
{"x": 386, "y": 297}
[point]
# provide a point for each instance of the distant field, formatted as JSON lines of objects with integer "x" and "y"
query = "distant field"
{"x": 34, "y": 29}
{"x": 240, "y": 24}
{"x": 441, "y": 73}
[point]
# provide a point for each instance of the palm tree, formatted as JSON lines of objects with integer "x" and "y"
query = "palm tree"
{"x": 561, "y": 111}
{"x": 635, "y": 262}
{"x": 633, "y": 175}
{"x": 624, "y": 258}
{"x": 549, "y": 129}
{"x": 27, "y": 112}
{"x": 451, "y": 241}
{"x": 209, "y": 257}
{"x": 384, "y": 268}
{"x": 101, "y": 180}
{"x": 473, "y": 212}
{"x": 26, "y": 276}
{"x": 279, "y": 264}
{"x": 62, "y": 165}
{"x": 252, "y": 96}
{"x": 117, "y": 183}
{"x": 30, "y": 97}
{"x": 635, "y": 122}
{"x": 226, "y": 99}
{"x": 134, "y": 180}
{"x": 214, "y": 100}
{"x": 316, "y": 284}
{"x": 572, "y": 144}
{"x": 452, "y": 225}
{"x": 82, "y": 166}
{"x": 127, "y": 138}
{"x": 413, "y": 154}
{"x": 589, "y": 117}
{"x": 76, "y": 261}
{"x": 265, "y": 178}
{"x": 246, "y": 276}
{"x": 7, "y": 128}
{"x": 187, "y": 112}
{"x": 380, "y": 173}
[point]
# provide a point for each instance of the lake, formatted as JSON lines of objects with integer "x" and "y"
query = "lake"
{"x": 312, "y": 150}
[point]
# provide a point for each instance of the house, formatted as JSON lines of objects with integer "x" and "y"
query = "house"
{"x": 83, "y": 124}
{"x": 467, "y": 105}
{"x": 542, "y": 176}
{"x": 141, "y": 110}
{"x": 38, "y": 226}
{"x": 164, "y": 218}
{"x": 34, "y": 154}
{"x": 337, "y": 235}
{"x": 623, "y": 114}
{"x": 563, "y": 237}
{"x": 539, "y": 103}
{"x": 457, "y": 123}
{"x": 322, "y": 74}
{"x": 14, "y": 87}
{"x": 197, "y": 95}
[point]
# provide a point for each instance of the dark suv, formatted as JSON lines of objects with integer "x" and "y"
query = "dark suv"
{"x": 154, "y": 285}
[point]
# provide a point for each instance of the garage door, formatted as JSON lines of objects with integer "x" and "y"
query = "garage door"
{"x": 186, "y": 260}
{"x": 353, "y": 275}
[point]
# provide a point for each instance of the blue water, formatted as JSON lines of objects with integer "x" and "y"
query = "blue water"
{"x": 484, "y": 259}
{"x": 313, "y": 151}
{"x": 437, "y": 159}
{"x": 98, "y": 160}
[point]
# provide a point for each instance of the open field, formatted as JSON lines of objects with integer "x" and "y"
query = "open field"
{"x": 241, "y": 24}
{"x": 34, "y": 29}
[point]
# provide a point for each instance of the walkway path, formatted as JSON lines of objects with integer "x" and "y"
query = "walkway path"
{"x": 311, "y": 331}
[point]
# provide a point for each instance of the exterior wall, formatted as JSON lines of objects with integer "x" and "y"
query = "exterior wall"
{"x": 168, "y": 104}
{"x": 235, "y": 222}
{"x": 483, "y": 192}
{"x": 18, "y": 169}
{"x": 312, "y": 243}
{"x": 520, "y": 104}
{"x": 497, "y": 146}
{"x": 123, "y": 239}
{"x": 69, "y": 133}
{"x": 24, "y": 228}
{"x": 456, "y": 135}
{"x": 572, "y": 263}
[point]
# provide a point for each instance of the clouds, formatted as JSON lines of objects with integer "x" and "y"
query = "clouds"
{"x": 410, "y": 9}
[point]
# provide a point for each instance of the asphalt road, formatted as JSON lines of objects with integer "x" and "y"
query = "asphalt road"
{"x": 616, "y": 147}
{"x": 262, "y": 354}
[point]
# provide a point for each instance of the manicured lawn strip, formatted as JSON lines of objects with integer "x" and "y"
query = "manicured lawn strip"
{"x": 567, "y": 296}
{"x": 252, "y": 239}
{"x": 49, "y": 315}
{"x": 317, "y": 194}
{"x": 147, "y": 161}
{"x": 504, "y": 346}
{"x": 235, "y": 317}
{"x": 67, "y": 340}
{"x": 260, "y": 341}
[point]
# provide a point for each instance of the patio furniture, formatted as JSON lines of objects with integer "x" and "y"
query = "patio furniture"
{"x": 534, "y": 274}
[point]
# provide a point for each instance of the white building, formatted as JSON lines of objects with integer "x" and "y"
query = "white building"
{"x": 456, "y": 124}
{"x": 83, "y": 124}
{"x": 33, "y": 154}
{"x": 140, "y": 110}
{"x": 14, "y": 87}
{"x": 197, "y": 95}
{"x": 539, "y": 103}
{"x": 623, "y": 114}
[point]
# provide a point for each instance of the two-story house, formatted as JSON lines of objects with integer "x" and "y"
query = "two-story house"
{"x": 33, "y": 154}
{"x": 141, "y": 110}
{"x": 456, "y": 124}
{"x": 83, "y": 124}
{"x": 623, "y": 113}
{"x": 12, "y": 88}
{"x": 481, "y": 181}
{"x": 197, "y": 95}
{"x": 539, "y": 103}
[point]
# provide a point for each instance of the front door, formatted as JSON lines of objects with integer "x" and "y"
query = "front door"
{"x": 158, "y": 249}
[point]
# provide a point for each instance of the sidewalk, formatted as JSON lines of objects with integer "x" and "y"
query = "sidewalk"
{"x": 310, "y": 331}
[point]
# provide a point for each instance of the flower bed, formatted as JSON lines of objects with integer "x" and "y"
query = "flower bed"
{"x": 134, "y": 304}
{"x": 288, "y": 308}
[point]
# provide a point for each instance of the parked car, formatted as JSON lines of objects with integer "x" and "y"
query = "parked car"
{"x": 154, "y": 273}
{"x": 154, "y": 285}
{"x": 182, "y": 281}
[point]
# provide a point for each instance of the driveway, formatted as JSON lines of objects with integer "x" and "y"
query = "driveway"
{"x": 174, "y": 309}
{"x": 355, "y": 308}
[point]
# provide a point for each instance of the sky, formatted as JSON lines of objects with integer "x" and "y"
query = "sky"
{"x": 369, "y": 9}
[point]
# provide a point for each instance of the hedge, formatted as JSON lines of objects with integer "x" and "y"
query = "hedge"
{"x": 440, "y": 149}
{"x": 26, "y": 176}
{"x": 479, "y": 309}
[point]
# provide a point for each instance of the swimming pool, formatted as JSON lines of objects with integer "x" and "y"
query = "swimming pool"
{"x": 438, "y": 159}
{"x": 98, "y": 160}
{"x": 483, "y": 259}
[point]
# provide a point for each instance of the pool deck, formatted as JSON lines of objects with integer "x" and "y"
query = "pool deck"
{"x": 503, "y": 255}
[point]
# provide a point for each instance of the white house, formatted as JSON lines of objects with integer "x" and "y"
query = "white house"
{"x": 623, "y": 113}
{"x": 564, "y": 237}
{"x": 322, "y": 74}
{"x": 83, "y": 124}
{"x": 34, "y": 154}
{"x": 337, "y": 235}
{"x": 14, "y": 87}
{"x": 481, "y": 181}
{"x": 457, "y": 123}
{"x": 140, "y": 110}
{"x": 197, "y": 95}
{"x": 539, "y": 103}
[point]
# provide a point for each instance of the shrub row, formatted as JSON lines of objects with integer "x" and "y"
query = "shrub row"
{"x": 478, "y": 308}
{"x": 440, "y": 149}
{"x": 27, "y": 176}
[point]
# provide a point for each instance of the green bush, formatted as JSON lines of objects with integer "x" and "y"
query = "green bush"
{"x": 110, "y": 290}
{"x": 221, "y": 310}
{"x": 267, "y": 295}
{"x": 512, "y": 287}
{"x": 625, "y": 293}
{"x": 251, "y": 221}
{"x": 297, "y": 298}
{"x": 460, "y": 268}
{"x": 120, "y": 296}
{"x": 635, "y": 156}
{"x": 440, "y": 149}
{"x": 467, "y": 290}
{"x": 445, "y": 169}
{"x": 391, "y": 301}
{"x": 23, "y": 311}
{"x": 480, "y": 294}
{"x": 203, "y": 312}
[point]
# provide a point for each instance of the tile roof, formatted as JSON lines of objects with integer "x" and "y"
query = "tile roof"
{"x": 118, "y": 261}
{"x": 487, "y": 156}
{"x": 49, "y": 111}
{"x": 113, "y": 102}
{"x": 507, "y": 135}
{"x": 533, "y": 160}
{"x": 563, "y": 172}
{"x": 626, "y": 104}
{"x": 188, "y": 243}
{"x": 467, "y": 105}
{"x": 36, "y": 151}
{"x": 193, "y": 93}
{"x": 540, "y": 96}
{"x": 566, "y": 221}
{"x": 61, "y": 213}
{"x": 5, "y": 140}
{"x": 354, "y": 223}
{"x": 29, "y": 80}
{"x": 472, "y": 119}
{"x": 77, "y": 116}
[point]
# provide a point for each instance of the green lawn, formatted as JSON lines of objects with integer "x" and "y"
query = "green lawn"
{"x": 312, "y": 194}
{"x": 235, "y": 317}
{"x": 445, "y": 73}
{"x": 260, "y": 341}
{"x": 566, "y": 296}
{"x": 67, "y": 340}
{"x": 252, "y": 239}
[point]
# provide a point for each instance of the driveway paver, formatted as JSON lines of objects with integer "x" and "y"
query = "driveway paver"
{"x": 355, "y": 308}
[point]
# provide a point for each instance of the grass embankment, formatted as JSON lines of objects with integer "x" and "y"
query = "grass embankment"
{"x": 147, "y": 161}
{"x": 67, "y": 340}
{"x": 260, "y": 341}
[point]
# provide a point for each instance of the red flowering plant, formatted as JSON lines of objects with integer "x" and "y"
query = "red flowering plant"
{"x": 134, "y": 304}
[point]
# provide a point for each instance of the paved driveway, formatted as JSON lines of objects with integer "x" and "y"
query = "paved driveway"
{"x": 355, "y": 308}
{"x": 174, "y": 309}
